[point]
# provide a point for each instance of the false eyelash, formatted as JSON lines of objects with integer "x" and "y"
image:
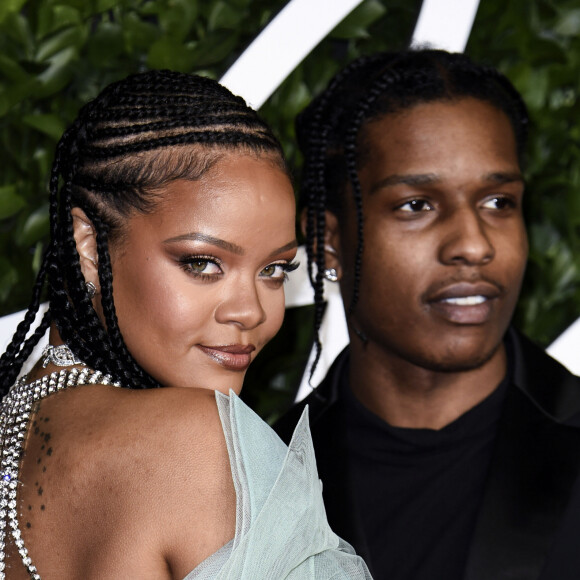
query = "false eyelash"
{"x": 185, "y": 261}
{"x": 291, "y": 266}
{"x": 185, "y": 265}
{"x": 201, "y": 257}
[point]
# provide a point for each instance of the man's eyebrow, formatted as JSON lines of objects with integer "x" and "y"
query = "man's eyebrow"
{"x": 198, "y": 237}
{"x": 500, "y": 177}
{"x": 497, "y": 177}
{"x": 410, "y": 179}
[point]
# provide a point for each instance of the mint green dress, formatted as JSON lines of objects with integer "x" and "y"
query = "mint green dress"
{"x": 281, "y": 526}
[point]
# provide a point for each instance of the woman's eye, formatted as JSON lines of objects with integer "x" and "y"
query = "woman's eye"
{"x": 499, "y": 202}
{"x": 279, "y": 271}
{"x": 415, "y": 206}
{"x": 204, "y": 266}
{"x": 201, "y": 266}
{"x": 274, "y": 272}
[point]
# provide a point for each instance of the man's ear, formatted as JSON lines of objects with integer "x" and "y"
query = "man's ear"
{"x": 331, "y": 241}
{"x": 86, "y": 242}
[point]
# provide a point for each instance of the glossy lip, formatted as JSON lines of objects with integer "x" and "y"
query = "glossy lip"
{"x": 232, "y": 357}
{"x": 465, "y": 313}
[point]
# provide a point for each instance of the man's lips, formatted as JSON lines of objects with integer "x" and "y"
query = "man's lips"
{"x": 233, "y": 357}
{"x": 453, "y": 290}
{"x": 465, "y": 302}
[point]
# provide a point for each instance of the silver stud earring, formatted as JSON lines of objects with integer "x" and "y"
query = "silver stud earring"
{"x": 91, "y": 290}
{"x": 331, "y": 274}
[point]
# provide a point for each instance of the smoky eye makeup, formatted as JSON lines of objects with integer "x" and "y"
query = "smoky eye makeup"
{"x": 276, "y": 273}
{"x": 209, "y": 268}
{"x": 202, "y": 267}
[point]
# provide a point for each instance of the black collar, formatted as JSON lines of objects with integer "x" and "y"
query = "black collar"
{"x": 532, "y": 474}
{"x": 531, "y": 478}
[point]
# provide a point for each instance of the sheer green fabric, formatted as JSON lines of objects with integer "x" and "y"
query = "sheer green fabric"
{"x": 281, "y": 526}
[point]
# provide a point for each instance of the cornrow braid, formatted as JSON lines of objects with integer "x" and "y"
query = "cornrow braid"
{"x": 137, "y": 136}
{"x": 314, "y": 143}
{"x": 330, "y": 135}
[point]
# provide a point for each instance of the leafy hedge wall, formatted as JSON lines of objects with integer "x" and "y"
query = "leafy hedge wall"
{"x": 56, "y": 54}
{"x": 537, "y": 45}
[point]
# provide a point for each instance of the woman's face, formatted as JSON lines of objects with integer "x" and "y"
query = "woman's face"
{"x": 198, "y": 284}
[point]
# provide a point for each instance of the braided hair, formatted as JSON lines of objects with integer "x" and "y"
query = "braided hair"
{"x": 330, "y": 134}
{"x": 138, "y": 135}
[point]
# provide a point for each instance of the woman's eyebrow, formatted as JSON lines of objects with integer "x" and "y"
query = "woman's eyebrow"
{"x": 199, "y": 237}
{"x": 289, "y": 246}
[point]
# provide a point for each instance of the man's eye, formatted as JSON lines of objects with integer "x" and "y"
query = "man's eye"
{"x": 416, "y": 205}
{"x": 499, "y": 202}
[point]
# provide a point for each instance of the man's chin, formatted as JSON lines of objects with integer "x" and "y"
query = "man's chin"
{"x": 458, "y": 362}
{"x": 459, "y": 365}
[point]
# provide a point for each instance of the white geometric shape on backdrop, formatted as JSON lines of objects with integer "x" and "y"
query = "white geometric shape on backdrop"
{"x": 445, "y": 24}
{"x": 282, "y": 46}
{"x": 271, "y": 57}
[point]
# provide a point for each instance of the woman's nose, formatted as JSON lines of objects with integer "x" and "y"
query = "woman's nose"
{"x": 241, "y": 306}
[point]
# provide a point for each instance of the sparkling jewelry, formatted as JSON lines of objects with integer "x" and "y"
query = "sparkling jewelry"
{"x": 61, "y": 356}
{"x": 15, "y": 413}
{"x": 91, "y": 290}
{"x": 331, "y": 274}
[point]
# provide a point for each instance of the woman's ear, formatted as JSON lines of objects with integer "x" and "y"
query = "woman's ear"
{"x": 86, "y": 242}
{"x": 331, "y": 241}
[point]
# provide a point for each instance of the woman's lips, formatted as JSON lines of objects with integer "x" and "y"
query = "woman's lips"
{"x": 232, "y": 357}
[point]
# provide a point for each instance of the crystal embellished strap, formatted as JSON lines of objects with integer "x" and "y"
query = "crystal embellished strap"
{"x": 15, "y": 412}
{"x": 61, "y": 356}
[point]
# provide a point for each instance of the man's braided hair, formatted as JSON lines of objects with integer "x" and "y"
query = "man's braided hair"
{"x": 138, "y": 135}
{"x": 330, "y": 134}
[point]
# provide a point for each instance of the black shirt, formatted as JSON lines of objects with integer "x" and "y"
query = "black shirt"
{"x": 528, "y": 523}
{"x": 417, "y": 491}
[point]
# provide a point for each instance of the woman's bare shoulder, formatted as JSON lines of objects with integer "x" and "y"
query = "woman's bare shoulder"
{"x": 171, "y": 447}
{"x": 182, "y": 472}
{"x": 148, "y": 467}
{"x": 159, "y": 418}
{"x": 157, "y": 423}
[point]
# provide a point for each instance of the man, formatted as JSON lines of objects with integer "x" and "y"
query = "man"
{"x": 448, "y": 444}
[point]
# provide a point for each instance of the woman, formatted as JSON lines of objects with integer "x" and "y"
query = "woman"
{"x": 172, "y": 231}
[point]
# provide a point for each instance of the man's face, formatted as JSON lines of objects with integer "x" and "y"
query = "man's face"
{"x": 444, "y": 240}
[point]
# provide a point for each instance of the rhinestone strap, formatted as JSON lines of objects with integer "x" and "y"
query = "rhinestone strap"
{"x": 15, "y": 414}
{"x": 61, "y": 356}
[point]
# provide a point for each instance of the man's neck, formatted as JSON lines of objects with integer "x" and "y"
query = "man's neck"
{"x": 407, "y": 395}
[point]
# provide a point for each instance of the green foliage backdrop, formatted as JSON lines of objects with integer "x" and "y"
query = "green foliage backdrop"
{"x": 57, "y": 54}
{"x": 537, "y": 45}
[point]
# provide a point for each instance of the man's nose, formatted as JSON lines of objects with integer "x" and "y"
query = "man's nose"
{"x": 466, "y": 240}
